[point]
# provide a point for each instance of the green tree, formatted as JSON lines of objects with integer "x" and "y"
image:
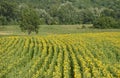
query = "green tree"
{"x": 3, "y": 20}
{"x": 45, "y": 17}
{"x": 8, "y": 10}
{"x": 67, "y": 13}
{"x": 105, "y": 22}
{"x": 29, "y": 20}
{"x": 87, "y": 16}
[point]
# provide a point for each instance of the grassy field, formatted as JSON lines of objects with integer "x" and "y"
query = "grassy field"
{"x": 53, "y": 29}
{"x": 83, "y": 55}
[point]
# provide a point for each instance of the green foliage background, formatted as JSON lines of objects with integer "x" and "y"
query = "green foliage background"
{"x": 63, "y": 12}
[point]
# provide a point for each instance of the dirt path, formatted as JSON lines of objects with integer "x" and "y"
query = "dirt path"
{"x": 5, "y": 33}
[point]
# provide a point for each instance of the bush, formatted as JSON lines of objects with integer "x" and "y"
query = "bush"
{"x": 117, "y": 24}
{"x": 105, "y": 22}
{"x": 3, "y": 20}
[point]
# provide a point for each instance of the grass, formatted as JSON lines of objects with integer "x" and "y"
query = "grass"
{"x": 53, "y": 29}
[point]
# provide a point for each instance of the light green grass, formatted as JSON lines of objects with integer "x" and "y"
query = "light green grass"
{"x": 53, "y": 29}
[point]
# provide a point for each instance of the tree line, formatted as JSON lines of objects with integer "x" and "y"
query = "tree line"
{"x": 102, "y": 14}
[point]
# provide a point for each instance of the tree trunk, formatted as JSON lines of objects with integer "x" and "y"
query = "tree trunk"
{"x": 29, "y": 32}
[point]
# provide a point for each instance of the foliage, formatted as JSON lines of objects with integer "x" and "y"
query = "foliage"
{"x": 105, "y": 22}
{"x": 8, "y": 11}
{"x": 29, "y": 20}
{"x": 67, "y": 13}
{"x": 61, "y": 11}
{"x": 3, "y": 20}
{"x": 45, "y": 18}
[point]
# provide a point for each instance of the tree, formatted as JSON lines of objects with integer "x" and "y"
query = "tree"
{"x": 67, "y": 13}
{"x": 45, "y": 17}
{"x": 8, "y": 10}
{"x": 3, "y": 20}
{"x": 87, "y": 16}
{"x": 105, "y": 22}
{"x": 29, "y": 20}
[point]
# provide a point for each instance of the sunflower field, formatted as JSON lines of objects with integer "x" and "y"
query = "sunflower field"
{"x": 84, "y": 55}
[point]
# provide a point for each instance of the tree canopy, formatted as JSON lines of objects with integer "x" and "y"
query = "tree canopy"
{"x": 29, "y": 20}
{"x": 60, "y": 11}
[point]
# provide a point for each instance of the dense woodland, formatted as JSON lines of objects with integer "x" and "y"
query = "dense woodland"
{"x": 100, "y": 13}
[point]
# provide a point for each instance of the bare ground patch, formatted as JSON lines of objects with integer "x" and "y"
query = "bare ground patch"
{"x": 5, "y": 33}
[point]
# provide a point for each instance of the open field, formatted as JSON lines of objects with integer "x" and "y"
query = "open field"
{"x": 83, "y": 55}
{"x": 53, "y": 29}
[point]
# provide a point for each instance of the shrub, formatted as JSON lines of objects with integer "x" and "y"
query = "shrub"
{"x": 105, "y": 22}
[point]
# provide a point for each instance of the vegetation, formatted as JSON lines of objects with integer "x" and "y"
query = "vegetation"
{"x": 75, "y": 39}
{"x": 54, "y": 29}
{"x": 106, "y": 22}
{"x": 61, "y": 56}
{"x": 8, "y": 12}
{"x": 63, "y": 11}
{"x": 29, "y": 21}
